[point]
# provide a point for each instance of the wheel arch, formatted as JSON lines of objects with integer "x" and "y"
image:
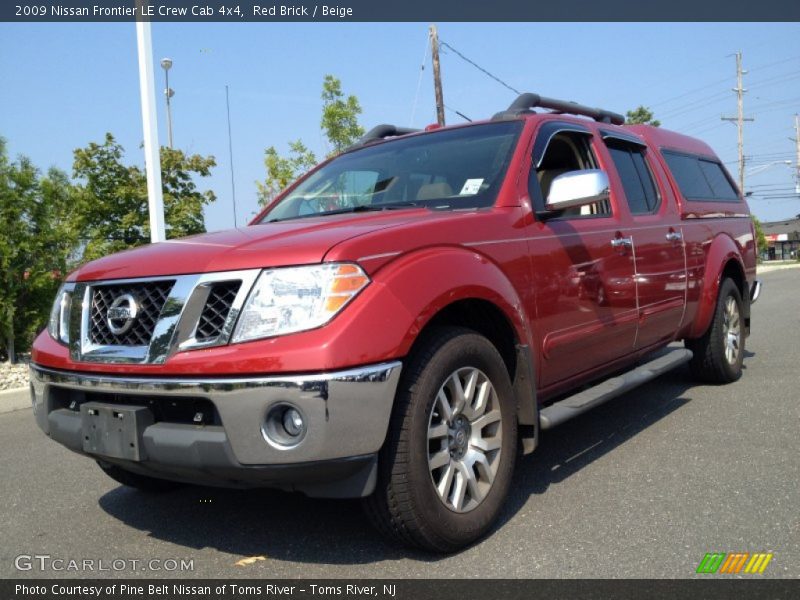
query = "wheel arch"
{"x": 465, "y": 288}
{"x": 723, "y": 260}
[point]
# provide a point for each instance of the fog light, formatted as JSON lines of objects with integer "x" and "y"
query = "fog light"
{"x": 293, "y": 422}
{"x": 284, "y": 426}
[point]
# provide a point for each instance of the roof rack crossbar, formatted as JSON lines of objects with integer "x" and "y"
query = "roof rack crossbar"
{"x": 525, "y": 102}
{"x": 380, "y": 132}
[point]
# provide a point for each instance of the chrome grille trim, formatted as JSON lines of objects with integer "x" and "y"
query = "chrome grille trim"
{"x": 176, "y": 326}
{"x": 151, "y": 296}
{"x": 215, "y": 312}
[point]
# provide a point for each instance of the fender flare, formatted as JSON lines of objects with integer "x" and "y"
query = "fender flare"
{"x": 723, "y": 250}
{"x": 426, "y": 281}
{"x": 447, "y": 275}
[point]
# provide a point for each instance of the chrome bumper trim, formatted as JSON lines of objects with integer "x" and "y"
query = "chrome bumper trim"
{"x": 347, "y": 411}
{"x": 755, "y": 291}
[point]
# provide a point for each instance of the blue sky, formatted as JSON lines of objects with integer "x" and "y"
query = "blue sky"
{"x": 64, "y": 85}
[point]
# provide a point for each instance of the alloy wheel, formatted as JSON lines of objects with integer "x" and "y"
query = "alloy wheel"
{"x": 464, "y": 439}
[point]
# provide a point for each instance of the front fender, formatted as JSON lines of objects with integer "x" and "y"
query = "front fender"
{"x": 723, "y": 249}
{"x": 426, "y": 281}
{"x": 380, "y": 324}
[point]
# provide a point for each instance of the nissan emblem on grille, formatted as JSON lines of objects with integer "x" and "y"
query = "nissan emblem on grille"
{"x": 126, "y": 314}
{"x": 122, "y": 313}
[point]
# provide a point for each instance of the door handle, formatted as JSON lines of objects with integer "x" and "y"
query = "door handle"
{"x": 674, "y": 236}
{"x": 622, "y": 242}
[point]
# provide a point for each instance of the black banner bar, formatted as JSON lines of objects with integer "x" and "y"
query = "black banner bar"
{"x": 242, "y": 11}
{"x": 712, "y": 588}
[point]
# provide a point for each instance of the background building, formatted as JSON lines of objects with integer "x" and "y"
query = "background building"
{"x": 783, "y": 239}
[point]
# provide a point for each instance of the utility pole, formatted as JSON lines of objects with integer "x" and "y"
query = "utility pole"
{"x": 797, "y": 158}
{"x": 437, "y": 75}
{"x": 740, "y": 118}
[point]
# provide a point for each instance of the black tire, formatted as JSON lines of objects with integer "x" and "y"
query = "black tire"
{"x": 135, "y": 480}
{"x": 406, "y": 506}
{"x": 711, "y": 363}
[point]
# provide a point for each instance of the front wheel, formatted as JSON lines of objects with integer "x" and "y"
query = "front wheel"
{"x": 719, "y": 354}
{"x": 446, "y": 467}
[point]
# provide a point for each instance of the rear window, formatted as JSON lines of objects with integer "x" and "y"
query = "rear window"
{"x": 699, "y": 178}
{"x": 637, "y": 181}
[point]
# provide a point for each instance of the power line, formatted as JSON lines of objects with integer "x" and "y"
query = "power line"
{"x": 480, "y": 68}
{"x": 720, "y": 81}
{"x": 419, "y": 80}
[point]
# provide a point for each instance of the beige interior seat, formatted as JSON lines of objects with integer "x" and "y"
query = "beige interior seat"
{"x": 431, "y": 191}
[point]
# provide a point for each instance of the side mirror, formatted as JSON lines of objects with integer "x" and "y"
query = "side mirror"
{"x": 577, "y": 188}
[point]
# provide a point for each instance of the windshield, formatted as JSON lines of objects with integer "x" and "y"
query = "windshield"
{"x": 450, "y": 169}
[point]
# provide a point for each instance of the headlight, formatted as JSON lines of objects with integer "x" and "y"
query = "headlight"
{"x": 58, "y": 326}
{"x": 294, "y": 299}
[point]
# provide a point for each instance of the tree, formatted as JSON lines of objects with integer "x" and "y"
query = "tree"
{"x": 34, "y": 249}
{"x": 111, "y": 202}
{"x": 281, "y": 171}
{"x": 641, "y": 115}
{"x": 339, "y": 115}
{"x": 339, "y": 124}
{"x": 761, "y": 239}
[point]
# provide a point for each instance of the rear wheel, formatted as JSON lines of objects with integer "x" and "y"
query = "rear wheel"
{"x": 445, "y": 469}
{"x": 718, "y": 355}
{"x": 137, "y": 481}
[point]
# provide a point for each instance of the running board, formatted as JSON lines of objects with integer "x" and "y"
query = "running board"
{"x": 570, "y": 407}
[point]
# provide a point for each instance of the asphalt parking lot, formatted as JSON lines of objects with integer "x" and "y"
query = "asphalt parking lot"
{"x": 641, "y": 487}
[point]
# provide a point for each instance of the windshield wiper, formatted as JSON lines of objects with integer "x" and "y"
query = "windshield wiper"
{"x": 351, "y": 209}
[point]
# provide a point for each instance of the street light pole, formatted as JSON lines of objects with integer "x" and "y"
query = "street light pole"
{"x": 166, "y": 64}
{"x": 152, "y": 160}
{"x": 762, "y": 168}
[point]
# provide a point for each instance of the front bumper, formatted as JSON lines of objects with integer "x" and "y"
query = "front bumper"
{"x": 347, "y": 413}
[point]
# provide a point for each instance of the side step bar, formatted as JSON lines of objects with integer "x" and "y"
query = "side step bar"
{"x": 570, "y": 407}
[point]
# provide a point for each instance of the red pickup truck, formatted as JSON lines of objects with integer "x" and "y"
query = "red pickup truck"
{"x": 407, "y": 316}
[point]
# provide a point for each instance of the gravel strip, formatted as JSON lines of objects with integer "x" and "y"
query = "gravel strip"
{"x": 14, "y": 376}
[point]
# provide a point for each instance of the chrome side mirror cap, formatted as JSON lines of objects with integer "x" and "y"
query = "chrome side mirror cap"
{"x": 577, "y": 188}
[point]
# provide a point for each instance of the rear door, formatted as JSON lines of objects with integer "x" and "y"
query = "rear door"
{"x": 657, "y": 236}
{"x": 582, "y": 265}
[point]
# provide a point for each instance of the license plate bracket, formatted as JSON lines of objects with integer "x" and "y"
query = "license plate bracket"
{"x": 114, "y": 430}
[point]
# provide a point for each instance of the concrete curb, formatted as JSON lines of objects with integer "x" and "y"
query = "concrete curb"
{"x": 769, "y": 268}
{"x": 16, "y": 399}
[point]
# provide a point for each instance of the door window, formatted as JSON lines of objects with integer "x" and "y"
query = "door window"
{"x": 637, "y": 180}
{"x": 566, "y": 151}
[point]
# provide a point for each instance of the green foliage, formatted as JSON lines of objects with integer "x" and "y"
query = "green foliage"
{"x": 35, "y": 246}
{"x": 339, "y": 124}
{"x": 281, "y": 171}
{"x": 111, "y": 210}
{"x": 339, "y": 115}
{"x": 641, "y": 115}
{"x": 761, "y": 239}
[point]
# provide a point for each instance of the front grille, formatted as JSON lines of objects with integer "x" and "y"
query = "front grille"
{"x": 216, "y": 310}
{"x": 150, "y": 298}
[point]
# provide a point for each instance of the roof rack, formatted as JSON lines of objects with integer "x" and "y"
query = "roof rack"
{"x": 525, "y": 102}
{"x": 380, "y": 132}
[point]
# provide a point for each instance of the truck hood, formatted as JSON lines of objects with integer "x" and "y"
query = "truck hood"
{"x": 297, "y": 242}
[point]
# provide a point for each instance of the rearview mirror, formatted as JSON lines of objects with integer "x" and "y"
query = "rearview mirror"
{"x": 577, "y": 188}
